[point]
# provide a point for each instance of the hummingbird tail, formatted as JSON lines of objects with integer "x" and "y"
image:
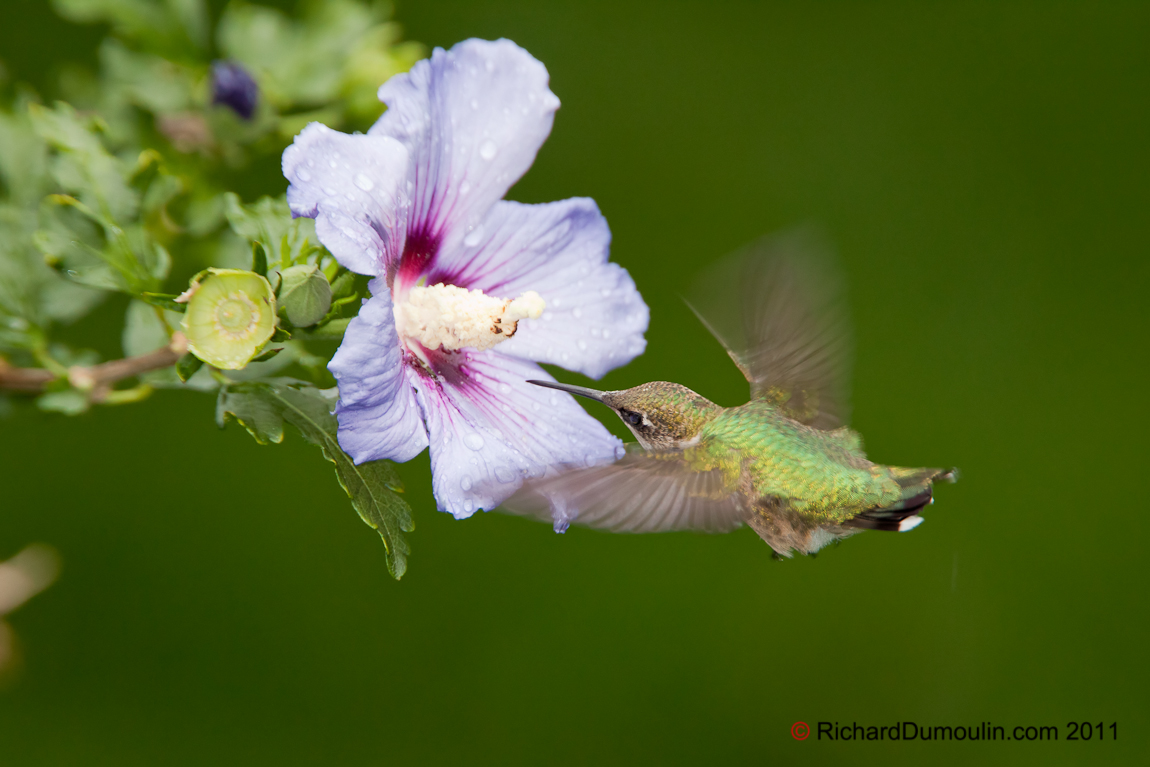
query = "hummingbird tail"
{"x": 903, "y": 514}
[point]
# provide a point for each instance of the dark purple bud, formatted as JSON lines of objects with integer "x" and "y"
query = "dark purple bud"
{"x": 233, "y": 87}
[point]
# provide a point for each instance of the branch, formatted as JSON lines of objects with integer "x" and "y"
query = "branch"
{"x": 97, "y": 379}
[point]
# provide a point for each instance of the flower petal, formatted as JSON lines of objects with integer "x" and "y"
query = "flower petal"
{"x": 378, "y": 415}
{"x": 490, "y": 429}
{"x": 473, "y": 119}
{"x": 595, "y": 318}
{"x": 351, "y": 186}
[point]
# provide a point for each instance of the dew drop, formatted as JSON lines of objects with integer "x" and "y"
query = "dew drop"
{"x": 473, "y": 237}
{"x": 504, "y": 474}
{"x": 333, "y": 163}
{"x": 577, "y": 312}
{"x": 303, "y": 175}
{"x": 606, "y": 333}
{"x": 504, "y": 388}
{"x": 582, "y": 345}
{"x": 468, "y": 506}
{"x": 465, "y": 187}
{"x": 329, "y": 191}
{"x": 487, "y": 149}
{"x": 363, "y": 182}
{"x": 475, "y": 103}
{"x": 606, "y": 292}
{"x": 465, "y": 483}
{"x": 473, "y": 441}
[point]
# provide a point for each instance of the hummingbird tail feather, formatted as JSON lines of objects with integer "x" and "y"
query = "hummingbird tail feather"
{"x": 903, "y": 514}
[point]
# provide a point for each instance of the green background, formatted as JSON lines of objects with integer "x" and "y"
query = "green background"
{"x": 983, "y": 170}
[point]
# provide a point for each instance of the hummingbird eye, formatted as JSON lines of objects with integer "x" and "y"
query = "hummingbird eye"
{"x": 632, "y": 417}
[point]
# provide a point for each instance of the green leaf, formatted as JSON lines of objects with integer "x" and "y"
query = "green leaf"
{"x": 68, "y": 402}
{"x": 178, "y": 27}
{"x": 269, "y": 221}
{"x": 304, "y": 295}
{"x": 372, "y": 486}
{"x": 259, "y": 259}
{"x": 164, "y": 301}
{"x": 187, "y": 366}
{"x": 143, "y": 329}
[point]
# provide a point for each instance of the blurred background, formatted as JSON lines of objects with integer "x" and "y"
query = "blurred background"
{"x": 982, "y": 168}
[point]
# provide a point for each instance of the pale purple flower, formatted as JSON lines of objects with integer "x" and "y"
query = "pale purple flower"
{"x": 417, "y": 203}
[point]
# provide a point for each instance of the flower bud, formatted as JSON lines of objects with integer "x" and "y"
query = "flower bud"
{"x": 304, "y": 295}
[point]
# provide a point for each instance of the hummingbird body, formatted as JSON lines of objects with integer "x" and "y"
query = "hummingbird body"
{"x": 783, "y": 463}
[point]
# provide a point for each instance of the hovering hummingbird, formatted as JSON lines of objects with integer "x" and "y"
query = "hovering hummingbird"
{"x": 784, "y": 463}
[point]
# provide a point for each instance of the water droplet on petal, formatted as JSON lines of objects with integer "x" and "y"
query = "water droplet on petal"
{"x": 473, "y": 237}
{"x": 576, "y": 312}
{"x": 606, "y": 333}
{"x": 504, "y": 474}
{"x": 487, "y": 149}
{"x": 620, "y": 451}
{"x": 475, "y": 103}
{"x": 465, "y": 187}
{"x": 363, "y": 182}
{"x": 468, "y": 506}
{"x": 303, "y": 175}
{"x": 465, "y": 483}
{"x": 473, "y": 441}
{"x": 606, "y": 292}
{"x": 582, "y": 345}
{"x": 504, "y": 388}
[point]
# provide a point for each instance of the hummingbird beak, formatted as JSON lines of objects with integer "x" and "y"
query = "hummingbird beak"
{"x": 582, "y": 391}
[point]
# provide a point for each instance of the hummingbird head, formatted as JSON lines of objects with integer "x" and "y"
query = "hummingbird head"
{"x": 661, "y": 415}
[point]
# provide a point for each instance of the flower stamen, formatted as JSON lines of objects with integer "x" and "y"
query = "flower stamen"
{"x": 455, "y": 317}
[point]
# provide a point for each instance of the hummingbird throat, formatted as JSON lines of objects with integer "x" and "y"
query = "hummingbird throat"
{"x": 455, "y": 317}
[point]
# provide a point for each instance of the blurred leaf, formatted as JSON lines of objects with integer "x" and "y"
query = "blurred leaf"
{"x": 82, "y": 166}
{"x": 176, "y": 27}
{"x": 305, "y": 294}
{"x": 269, "y": 221}
{"x": 69, "y": 402}
{"x": 143, "y": 330}
{"x": 23, "y": 160}
{"x": 148, "y": 81}
{"x": 263, "y": 406}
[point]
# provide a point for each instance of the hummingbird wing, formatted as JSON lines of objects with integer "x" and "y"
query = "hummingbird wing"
{"x": 778, "y": 307}
{"x": 643, "y": 492}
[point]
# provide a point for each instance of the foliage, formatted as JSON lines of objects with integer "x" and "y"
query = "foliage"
{"x": 128, "y": 187}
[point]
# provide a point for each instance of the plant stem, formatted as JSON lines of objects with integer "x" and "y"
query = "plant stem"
{"x": 97, "y": 379}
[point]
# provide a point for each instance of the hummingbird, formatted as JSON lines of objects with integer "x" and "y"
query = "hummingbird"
{"x": 785, "y": 463}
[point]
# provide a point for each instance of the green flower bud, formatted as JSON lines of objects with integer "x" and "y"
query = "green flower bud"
{"x": 305, "y": 294}
{"x": 231, "y": 315}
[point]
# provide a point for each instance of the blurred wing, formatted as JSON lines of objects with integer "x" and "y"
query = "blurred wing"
{"x": 641, "y": 493}
{"x": 778, "y": 308}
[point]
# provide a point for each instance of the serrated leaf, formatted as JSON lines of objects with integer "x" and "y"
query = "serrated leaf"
{"x": 372, "y": 486}
{"x": 254, "y": 410}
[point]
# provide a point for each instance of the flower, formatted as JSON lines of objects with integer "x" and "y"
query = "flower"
{"x": 231, "y": 314}
{"x": 469, "y": 290}
{"x": 234, "y": 88}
